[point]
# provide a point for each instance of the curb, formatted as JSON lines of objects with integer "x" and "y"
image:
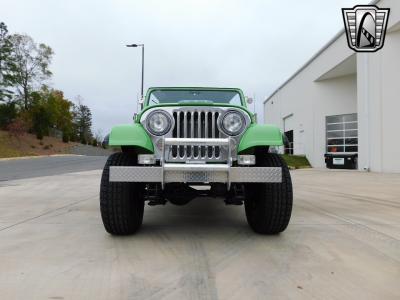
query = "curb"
{"x": 36, "y": 156}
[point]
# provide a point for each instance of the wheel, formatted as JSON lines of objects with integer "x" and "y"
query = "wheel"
{"x": 269, "y": 205}
{"x": 121, "y": 203}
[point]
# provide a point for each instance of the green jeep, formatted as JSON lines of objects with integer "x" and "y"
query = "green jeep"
{"x": 191, "y": 142}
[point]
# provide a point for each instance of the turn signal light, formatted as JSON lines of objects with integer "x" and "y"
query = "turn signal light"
{"x": 246, "y": 160}
{"x": 146, "y": 159}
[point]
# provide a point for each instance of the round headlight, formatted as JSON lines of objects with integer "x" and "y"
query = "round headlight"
{"x": 233, "y": 123}
{"x": 159, "y": 122}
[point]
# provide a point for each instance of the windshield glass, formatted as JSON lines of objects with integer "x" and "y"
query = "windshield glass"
{"x": 194, "y": 96}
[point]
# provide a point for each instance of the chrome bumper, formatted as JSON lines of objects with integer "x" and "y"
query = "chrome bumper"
{"x": 193, "y": 172}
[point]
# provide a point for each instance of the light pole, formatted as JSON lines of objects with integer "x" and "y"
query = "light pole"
{"x": 134, "y": 46}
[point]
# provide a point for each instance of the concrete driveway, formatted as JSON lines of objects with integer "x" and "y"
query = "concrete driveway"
{"x": 343, "y": 243}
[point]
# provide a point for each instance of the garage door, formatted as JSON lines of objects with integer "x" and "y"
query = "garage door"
{"x": 342, "y": 134}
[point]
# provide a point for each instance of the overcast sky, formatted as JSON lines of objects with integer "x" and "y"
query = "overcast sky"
{"x": 251, "y": 44}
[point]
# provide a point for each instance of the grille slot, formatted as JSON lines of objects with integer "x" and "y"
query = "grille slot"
{"x": 195, "y": 124}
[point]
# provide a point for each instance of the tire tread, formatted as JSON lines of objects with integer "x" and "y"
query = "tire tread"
{"x": 121, "y": 203}
{"x": 269, "y": 205}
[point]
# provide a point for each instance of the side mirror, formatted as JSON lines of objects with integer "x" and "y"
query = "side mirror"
{"x": 141, "y": 102}
{"x": 249, "y": 100}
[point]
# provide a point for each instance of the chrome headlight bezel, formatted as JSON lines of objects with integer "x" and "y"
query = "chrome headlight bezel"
{"x": 242, "y": 119}
{"x": 166, "y": 129}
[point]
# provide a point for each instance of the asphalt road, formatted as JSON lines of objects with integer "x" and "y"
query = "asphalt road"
{"x": 343, "y": 242}
{"x": 48, "y": 166}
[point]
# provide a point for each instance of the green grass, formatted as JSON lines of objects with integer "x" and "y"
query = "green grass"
{"x": 296, "y": 161}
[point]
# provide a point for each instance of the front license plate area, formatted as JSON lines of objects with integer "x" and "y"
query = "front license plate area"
{"x": 196, "y": 176}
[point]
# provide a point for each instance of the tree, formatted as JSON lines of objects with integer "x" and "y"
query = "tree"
{"x": 34, "y": 107}
{"x": 49, "y": 109}
{"x": 40, "y": 116}
{"x": 83, "y": 122}
{"x": 60, "y": 111}
{"x": 32, "y": 65}
{"x": 7, "y": 65}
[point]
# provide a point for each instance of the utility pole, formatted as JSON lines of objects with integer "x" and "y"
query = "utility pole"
{"x": 135, "y": 46}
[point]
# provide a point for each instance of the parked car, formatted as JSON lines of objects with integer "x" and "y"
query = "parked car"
{"x": 190, "y": 142}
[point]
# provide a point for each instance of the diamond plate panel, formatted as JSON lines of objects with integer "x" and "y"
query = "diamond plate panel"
{"x": 256, "y": 174}
{"x": 154, "y": 174}
{"x": 135, "y": 174}
{"x": 195, "y": 176}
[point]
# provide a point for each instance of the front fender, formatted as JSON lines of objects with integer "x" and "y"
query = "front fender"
{"x": 131, "y": 135}
{"x": 260, "y": 135}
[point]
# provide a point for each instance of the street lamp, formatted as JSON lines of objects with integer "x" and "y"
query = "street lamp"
{"x": 134, "y": 46}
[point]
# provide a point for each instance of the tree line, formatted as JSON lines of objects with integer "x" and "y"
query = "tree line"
{"x": 27, "y": 102}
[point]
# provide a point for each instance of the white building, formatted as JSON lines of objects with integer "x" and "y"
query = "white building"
{"x": 338, "y": 85}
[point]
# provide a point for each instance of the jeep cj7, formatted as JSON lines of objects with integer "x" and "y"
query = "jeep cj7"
{"x": 190, "y": 142}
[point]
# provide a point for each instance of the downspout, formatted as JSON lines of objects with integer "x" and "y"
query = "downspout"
{"x": 367, "y": 110}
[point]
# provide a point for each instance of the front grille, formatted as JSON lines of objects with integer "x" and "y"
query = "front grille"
{"x": 196, "y": 124}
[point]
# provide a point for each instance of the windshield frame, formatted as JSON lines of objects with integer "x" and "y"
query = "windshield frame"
{"x": 238, "y": 91}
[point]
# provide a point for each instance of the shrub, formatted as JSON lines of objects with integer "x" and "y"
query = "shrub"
{"x": 39, "y": 135}
{"x": 47, "y": 147}
{"x": 17, "y": 128}
{"x": 65, "y": 137}
{"x": 94, "y": 143}
{"x": 40, "y": 121}
{"x": 8, "y": 113}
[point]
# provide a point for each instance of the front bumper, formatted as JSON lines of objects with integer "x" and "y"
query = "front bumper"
{"x": 195, "y": 173}
{"x": 192, "y": 172}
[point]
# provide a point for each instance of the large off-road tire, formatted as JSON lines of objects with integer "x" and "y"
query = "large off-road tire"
{"x": 121, "y": 203}
{"x": 269, "y": 205}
